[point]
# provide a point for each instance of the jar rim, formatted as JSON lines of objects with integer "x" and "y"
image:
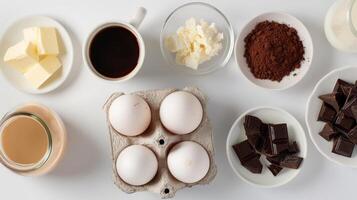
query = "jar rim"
{"x": 350, "y": 19}
{"x": 17, "y": 167}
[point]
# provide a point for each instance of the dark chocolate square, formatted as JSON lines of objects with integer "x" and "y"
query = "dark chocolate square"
{"x": 254, "y": 165}
{"x": 278, "y": 133}
{"x": 352, "y": 135}
{"x": 340, "y": 84}
{"x": 280, "y": 148}
{"x": 274, "y": 169}
{"x": 344, "y": 122}
{"x": 342, "y": 146}
{"x": 327, "y": 113}
{"x": 244, "y": 151}
{"x": 275, "y": 159}
{"x": 347, "y": 108}
{"x": 328, "y": 132}
{"x": 291, "y": 161}
{"x": 335, "y": 100}
{"x": 293, "y": 148}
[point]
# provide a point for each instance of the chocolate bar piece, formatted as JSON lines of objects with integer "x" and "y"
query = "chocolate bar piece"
{"x": 347, "y": 108}
{"x": 274, "y": 169}
{"x": 342, "y": 146}
{"x": 291, "y": 161}
{"x": 280, "y": 148}
{"x": 352, "y": 135}
{"x": 252, "y": 126}
{"x": 340, "y": 84}
{"x": 293, "y": 148}
{"x": 244, "y": 151}
{"x": 278, "y": 133}
{"x": 335, "y": 100}
{"x": 344, "y": 122}
{"x": 327, "y": 114}
{"x": 254, "y": 165}
{"x": 328, "y": 132}
{"x": 275, "y": 159}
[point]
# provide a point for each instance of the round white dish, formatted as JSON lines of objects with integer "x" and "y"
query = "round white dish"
{"x": 237, "y": 134}
{"x": 13, "y": 35}
{"x": 294, "y": 76}
{"x": 325, "y": 86}
{"x": 209, "y": 13}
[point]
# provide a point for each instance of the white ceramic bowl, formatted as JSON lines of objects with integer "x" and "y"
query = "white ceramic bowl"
{"x": 209, "y": 13}
{"x": 14, "y": 35}
{"x": 237, "y": 134}
{"x": 325, "y": 86}
{"x": 287, "y": 81}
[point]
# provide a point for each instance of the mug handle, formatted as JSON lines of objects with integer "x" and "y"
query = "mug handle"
{"x": 138, "y": 18}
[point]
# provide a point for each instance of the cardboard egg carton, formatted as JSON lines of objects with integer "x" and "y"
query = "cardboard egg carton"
{"x": 160, "y": 141}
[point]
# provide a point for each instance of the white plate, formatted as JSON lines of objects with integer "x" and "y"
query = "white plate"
{"x": 325, "y": 86}
{"x": 266, "y": 178}
{"x": 287, "y": 81}
{"x": 14, "y": 35}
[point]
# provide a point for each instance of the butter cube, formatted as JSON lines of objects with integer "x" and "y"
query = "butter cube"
{"x": 21, "y": 56}
{"x": 39, "y": 73}
{"x": 31, "y": 34}
{"x": 47, "y": 43}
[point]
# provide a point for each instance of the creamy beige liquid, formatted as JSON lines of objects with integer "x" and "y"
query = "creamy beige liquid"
{"x": 24, "y": 140}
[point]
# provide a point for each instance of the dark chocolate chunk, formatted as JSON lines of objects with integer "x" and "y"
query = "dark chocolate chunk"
{"x": 293, "y": 148}
{"x": 278, "y": 133}
{"x": 342, "y": 146}
{"x": 252, "y": 126}
{"x": 347, "y": 108}
{"x": 280, "y": 148}
{"x": 335, "y": 100}
{"x": 275, "y": 159}
{"x": 244, "y": 151}
{"x": 352, "y": 94}
{"x": 254, "y": 165}
{"x": 328, "y": 132}
{"x": 291, "y": 161}
{"x": 327, "y": 113}
{"x": 274, "y": 169}
{"x": 352, "y": 135}
{"x": 340, "y": 84}
{"x": 344, "y": 122}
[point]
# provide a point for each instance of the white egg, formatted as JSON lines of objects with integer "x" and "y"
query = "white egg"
{"x": 181, "y": 112}
{"x": 136, "y": 165}
{"x": 188, "y": 162}
{"x": 130, "y": 115}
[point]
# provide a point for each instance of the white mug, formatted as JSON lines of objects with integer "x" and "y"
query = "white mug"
{"x": 132, "y": 26}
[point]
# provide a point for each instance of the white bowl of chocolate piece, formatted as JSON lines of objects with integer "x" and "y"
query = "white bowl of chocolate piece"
{"x": 344, "y": 155}
{"x": 263, "y": 177}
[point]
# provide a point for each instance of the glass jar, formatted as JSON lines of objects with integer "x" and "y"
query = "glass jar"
{"x": 53, "y": 140}
{"x": 341, "y": 25}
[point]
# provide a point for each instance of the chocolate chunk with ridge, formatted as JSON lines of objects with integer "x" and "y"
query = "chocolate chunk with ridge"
{"x": 254, "y": 165}
{"x": 340, "y": 84}
{"x": 328, "y": 132}
{"x": 293, "y": 148}
{"x": 327, "y": 114}
{"x": 352, "y": 94}
{"x": 280, "y": 148}
{"x": 252, "y": 126}
{"x": 344, "y": 122}
{"x": 278, "y": 133}
{"x": 335, "y": 100}
{"x": 274, "y": 169}
{"x": 347, "y": 108}
{"x": 244, "y": 151}
{"x": 342, "y": 146}
{"x": 291, "y": 161}
{"x": 352, "y": 135}
{"x": 275, "y": 159}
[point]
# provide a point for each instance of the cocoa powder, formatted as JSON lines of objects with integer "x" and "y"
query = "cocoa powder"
{"x": 273, "y": 50}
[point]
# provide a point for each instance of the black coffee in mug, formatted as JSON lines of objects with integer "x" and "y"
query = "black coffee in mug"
{"x": 114, "y": 52}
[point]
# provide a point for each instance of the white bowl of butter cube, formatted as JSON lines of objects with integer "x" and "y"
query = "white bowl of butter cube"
{"x": 197, "y": 38}
{"x": 36, "y": 54}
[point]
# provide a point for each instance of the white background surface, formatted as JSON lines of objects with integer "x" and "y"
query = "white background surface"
{"x": 85, "y": 172}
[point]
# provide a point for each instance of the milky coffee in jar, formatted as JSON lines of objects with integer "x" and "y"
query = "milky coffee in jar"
{"x": 32, "y": 140}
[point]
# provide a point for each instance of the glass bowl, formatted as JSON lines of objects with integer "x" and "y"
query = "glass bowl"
{"x": 210, "y": 14}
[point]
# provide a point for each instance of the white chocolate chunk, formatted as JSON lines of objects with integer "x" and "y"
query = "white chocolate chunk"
{"x": 21, "y": 56}
{"x": 47, "y": 43}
